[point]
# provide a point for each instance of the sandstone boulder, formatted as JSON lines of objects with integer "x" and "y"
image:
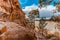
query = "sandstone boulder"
{"x": 12, "y": 31}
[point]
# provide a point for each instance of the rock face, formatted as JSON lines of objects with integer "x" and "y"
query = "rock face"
{"x": 15, "y": 32}
{"x": 11, "y": 11}
{"x": 14, "y": 22}
{"x": 14, "y": 26}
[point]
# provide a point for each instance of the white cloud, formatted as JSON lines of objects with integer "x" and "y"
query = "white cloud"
{"x": 51, "y": 8}
{"x": 47, "y": 11}
{"x": 29, "y": 8}
{"x": 44, "y": 11}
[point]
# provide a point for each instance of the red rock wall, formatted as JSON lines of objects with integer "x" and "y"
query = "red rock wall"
{"x": 11, "y": 11}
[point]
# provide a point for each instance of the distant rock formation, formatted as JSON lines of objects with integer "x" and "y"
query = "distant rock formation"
{"x": 58, "y": 6}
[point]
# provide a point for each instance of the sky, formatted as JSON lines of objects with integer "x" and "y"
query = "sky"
{"x": 29, "y": 5}
{"x": 25, "y": 3}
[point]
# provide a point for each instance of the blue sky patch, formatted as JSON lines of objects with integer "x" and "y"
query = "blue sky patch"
{"x": 25, "y": 3}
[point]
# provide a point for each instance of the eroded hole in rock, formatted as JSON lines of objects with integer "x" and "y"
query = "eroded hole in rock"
{"x": 15, "y": 2}
{"x": 17, "y": 6}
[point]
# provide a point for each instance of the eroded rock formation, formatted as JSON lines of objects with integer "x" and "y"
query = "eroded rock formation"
{"x": 14, "y": 26}
{"x": 12, "y": 31}
{"x": 11, "y": 11}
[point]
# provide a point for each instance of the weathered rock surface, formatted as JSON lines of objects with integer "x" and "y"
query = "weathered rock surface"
{"x": 15, "y": 32}
{"x": 11, "y": 11}
{"x": 11, "y": 14}
{"x": 53, "y": 27}
{"x": 14, "y": 26}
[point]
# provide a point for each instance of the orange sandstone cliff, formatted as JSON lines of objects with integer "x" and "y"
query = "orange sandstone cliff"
{"x": 14, "y": 26}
